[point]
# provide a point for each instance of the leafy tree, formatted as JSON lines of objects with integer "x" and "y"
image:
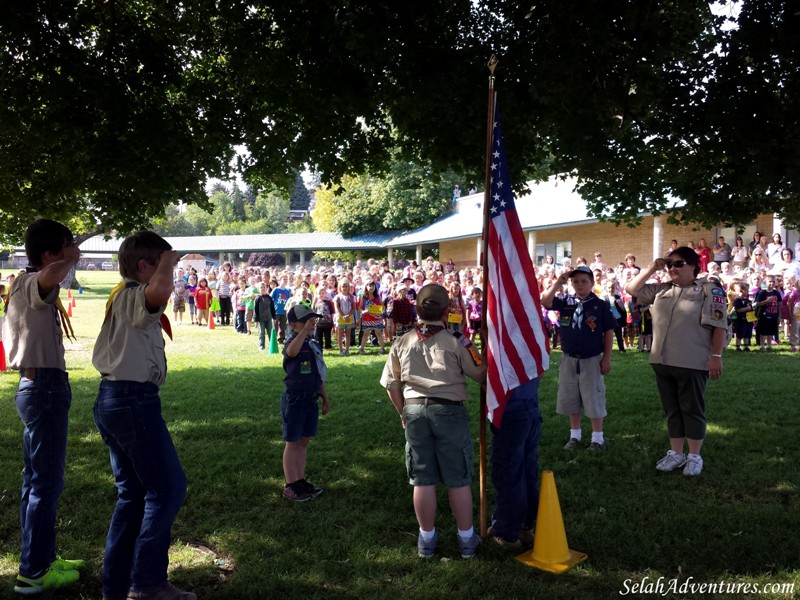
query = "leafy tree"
{"x": 238, "y": 204}
{"x": 304, "y": 225}
{"x": 300, "y": 198}
{"x": 106, "y": 107}
{"x": 272, "y": 208}
{"x": 324, "y": 212}
{"x": 265, "y": 259}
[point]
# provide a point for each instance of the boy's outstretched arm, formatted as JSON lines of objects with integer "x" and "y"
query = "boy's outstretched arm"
{"x": 159, "y": 287}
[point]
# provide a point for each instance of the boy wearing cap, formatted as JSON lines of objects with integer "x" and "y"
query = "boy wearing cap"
{"x": 587, "y": 335}
{"x": 304, "y": 383}
{"x": 424, "y": 376}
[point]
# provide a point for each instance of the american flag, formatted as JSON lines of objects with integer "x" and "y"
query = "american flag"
{"x": 518, "y": 347}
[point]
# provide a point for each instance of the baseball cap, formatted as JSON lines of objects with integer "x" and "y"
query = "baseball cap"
{"x": 582, "y": 269}
{"x": 400, "y": 288}
{"x": 433, "y": 297}
{"x": 300, "y": 313}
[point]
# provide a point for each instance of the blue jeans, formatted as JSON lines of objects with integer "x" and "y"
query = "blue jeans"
{"x": 515, "y": 463}
{"x": 151, "y": 486}
{"x": 43, "y": 405}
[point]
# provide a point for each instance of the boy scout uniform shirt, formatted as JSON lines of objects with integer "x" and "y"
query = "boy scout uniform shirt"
{"x": 306, "y": 371}
{"x": 432, "y": 368}
{"x": 32, "y": 328}
{"x": 130, "y": 346}
{"x": 683, "y": 321}
{"x": 587, "y": 339}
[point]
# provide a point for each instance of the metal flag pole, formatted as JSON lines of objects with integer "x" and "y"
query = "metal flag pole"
{"x": 485, "y": 271}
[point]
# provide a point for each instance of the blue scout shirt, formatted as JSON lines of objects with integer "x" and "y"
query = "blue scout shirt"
{"x": 306, "y": 372}
{"x": 583, "y": 324}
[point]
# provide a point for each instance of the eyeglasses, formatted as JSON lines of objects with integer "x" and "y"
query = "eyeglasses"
{"x": 676, "y": 263}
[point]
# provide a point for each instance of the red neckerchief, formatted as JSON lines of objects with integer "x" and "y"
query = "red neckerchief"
{"x": 426, "y": 330}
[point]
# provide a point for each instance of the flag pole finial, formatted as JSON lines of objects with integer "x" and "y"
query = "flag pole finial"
{"x": 492, "y": 65}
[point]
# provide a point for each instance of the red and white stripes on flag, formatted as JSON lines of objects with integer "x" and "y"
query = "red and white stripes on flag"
{"x": 518, "y": 347}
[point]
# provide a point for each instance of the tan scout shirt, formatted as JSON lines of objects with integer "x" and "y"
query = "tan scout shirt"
{"x": 130, "y": 346}
{"x": 683, "y": 321}
{"x": 32, "y": 328}
{"x": 433, "y": 368}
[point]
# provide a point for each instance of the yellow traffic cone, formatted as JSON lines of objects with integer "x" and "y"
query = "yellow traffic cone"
{"x": 273, "y": 342}
{"x": 550, "y": 551}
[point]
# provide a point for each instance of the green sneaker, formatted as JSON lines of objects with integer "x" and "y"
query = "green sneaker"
{"x": 51, "y": 579}
{"x": 63, "y": 564}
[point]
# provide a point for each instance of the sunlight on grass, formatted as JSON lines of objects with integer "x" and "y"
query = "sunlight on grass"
{"x": 717, "y": 429}
{"x": 358, "y": 540}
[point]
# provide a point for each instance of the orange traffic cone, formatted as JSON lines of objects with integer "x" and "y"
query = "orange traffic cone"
{"x": 550, "y": 551}
{"x": 69, "y": 309}
{"x": 3, "y": 365}
{"x": 69, "y": 293}
{"x": 211, "y": 321}
{"x": 73, "y": 302}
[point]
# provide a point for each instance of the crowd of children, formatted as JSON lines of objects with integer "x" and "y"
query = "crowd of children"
{"x": 368, "y": 305}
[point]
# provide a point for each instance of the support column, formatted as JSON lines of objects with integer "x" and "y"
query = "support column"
{"x": 287, "y": 258}
{"x": 390, "y": 256}
{"x": 478, "y": 248}
{"x": 532, "y": 245}
{"x": 658, "y": 234}
{"x": 358, "y": 254}
{"x": 419, "y": 254}
{"x": 302, "y": 258}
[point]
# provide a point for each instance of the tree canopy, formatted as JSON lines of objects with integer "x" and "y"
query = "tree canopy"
{"x": 111, "y": 111}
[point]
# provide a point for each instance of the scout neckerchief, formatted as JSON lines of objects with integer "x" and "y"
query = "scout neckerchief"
{"x": 426, "y": 330}
{"x": 165, "y": 324}
{"x": 577, "y": 316}
{"x": 66, "y": 325}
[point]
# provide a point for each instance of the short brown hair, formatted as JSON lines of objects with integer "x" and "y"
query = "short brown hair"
{"x": 142, "y": 245}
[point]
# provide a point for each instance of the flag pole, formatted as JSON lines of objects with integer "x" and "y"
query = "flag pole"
{"x": 485, "y": 271}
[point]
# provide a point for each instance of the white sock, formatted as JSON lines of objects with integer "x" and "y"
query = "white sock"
{"x": 597, "y": 437}
{"x": 467, "y": 534}
{"x": 427, "y": 535}
{"x": 575, "y": 433}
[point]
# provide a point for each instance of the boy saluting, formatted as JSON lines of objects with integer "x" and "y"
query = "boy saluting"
{"x": 34, "y": 343}
{"x": 151, "y": 484}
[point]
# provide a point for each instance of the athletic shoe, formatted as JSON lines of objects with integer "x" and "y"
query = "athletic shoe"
{"x": 52, "y": 579}
{"x": 571, "y": 444}
{"x": 426, "y": 549}
{"x": 595, "y": 447}
{"x": 470, "y": 547}
{"x": 362, "y": 351}
{"x": 503, "y": 542}
{"x": 673, "y": 460}
{"x": 296, "y": 495}
{"x": 63, "y": 564}
{"x": 168, "y": 592}
{"x": 694, "y": 465}
{"x": 309, "y": 488}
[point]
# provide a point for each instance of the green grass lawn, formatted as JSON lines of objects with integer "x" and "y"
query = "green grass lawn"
{"x": 237, "y": 538}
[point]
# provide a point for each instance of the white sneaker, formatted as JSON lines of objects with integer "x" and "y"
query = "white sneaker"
{"x": 673, "y": 460}
{"x": 694, "y": 465}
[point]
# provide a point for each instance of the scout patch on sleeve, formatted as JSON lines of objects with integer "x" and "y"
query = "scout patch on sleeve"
{"x": 473, "y": 351}
{"x": 719, "y": 303}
